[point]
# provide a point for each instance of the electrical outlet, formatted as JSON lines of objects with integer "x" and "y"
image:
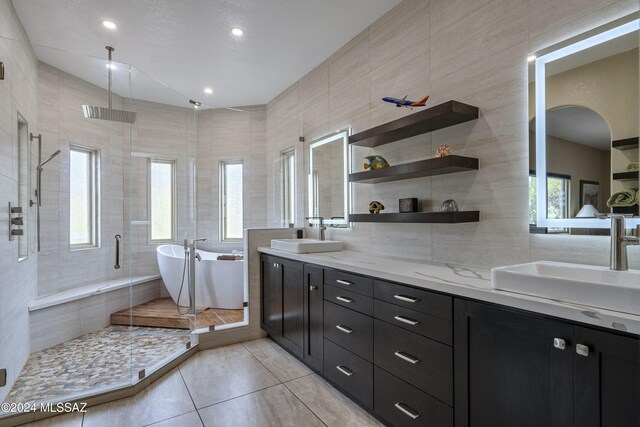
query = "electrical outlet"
{"x": 3, "y": 377}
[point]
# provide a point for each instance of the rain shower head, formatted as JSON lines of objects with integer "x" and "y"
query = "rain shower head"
{"x": 105, "y": 113}
{"x": 49, "y": 159}
{"x": 108, "y": 113}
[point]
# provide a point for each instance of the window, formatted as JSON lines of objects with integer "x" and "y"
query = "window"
{"x": 288, "y": 187}
{"x": 84, "y": 199}
{"x": 162, "y": 201}
{"x": 231, "y": 214}
{"x": 557, "y": 199}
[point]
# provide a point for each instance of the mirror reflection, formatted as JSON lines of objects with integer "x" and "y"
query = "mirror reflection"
{"x": 590, "y": 137}
{"x": 328, "y": 178}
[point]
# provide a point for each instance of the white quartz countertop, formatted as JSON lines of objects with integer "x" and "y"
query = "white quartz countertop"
{"x": 463, "y": 281}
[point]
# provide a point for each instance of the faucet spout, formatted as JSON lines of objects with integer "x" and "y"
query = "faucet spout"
{"x": 619, "y": 243}
{"x": 320, "y": 225}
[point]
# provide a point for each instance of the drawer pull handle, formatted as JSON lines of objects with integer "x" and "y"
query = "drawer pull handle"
{"x": 406, "y": 320}
{"x": 348, "y": 372}
{"x": 406, "y": 357}
{"x": 407, "y": 411}
{"x": 345, "y": 329}
{"x": 345, "y": 299}
{"x": 344, "y": 282}
{"x": 406, "y": 299}
{"x": 582, "y": 350}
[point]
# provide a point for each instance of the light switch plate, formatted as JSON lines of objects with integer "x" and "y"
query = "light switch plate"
{"x": 3, "y": 377}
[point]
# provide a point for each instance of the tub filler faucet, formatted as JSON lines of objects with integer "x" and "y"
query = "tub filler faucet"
{"x": 193, "y": 256}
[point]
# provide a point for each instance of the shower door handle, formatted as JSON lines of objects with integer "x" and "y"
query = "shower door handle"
{"x": 117, "y": 264}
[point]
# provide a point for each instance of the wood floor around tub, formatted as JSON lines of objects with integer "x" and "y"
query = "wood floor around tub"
{"x": 163, "y": 313}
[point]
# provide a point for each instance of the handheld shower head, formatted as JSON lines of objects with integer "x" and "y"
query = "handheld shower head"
{"x": 51, "y": 157}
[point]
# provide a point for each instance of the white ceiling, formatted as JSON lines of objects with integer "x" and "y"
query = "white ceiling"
{"x": 187, "y": 46}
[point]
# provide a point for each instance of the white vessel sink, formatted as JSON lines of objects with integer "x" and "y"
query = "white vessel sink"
{"x": 582, "y": 284}
{"x": 303, "y": 246}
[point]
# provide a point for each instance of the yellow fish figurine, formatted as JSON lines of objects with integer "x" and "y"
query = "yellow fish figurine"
{"x": 375, "y": 162}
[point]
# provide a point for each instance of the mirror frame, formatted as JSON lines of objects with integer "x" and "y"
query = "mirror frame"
{"x": 340, "y": 134}
{"x": 602, "y": 34}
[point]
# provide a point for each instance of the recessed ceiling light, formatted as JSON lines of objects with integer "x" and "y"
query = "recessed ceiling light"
{"x": 208, "y": 90}
{"x": 531, "y": 58}
{"x": 237, "y": 31}
{"x": 111, "y": 66}
{"x": 110, "y": 25}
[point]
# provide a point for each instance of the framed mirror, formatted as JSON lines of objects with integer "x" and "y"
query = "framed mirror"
{"x": 328, "y": 178}
{"x": 583, "y": 131}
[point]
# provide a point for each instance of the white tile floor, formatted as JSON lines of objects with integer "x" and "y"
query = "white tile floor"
{"x": 255, "y": 383}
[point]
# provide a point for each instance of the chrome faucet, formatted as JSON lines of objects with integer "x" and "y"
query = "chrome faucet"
{"x": 193, "y": 256}
{"x": 619, "y": 243}
{"x": 320, "y": 225}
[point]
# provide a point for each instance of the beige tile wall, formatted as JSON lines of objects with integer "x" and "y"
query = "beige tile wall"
{"x": 160, "y": 131}
{"x": 474, "y": 52}
{"x": 18, "y": 92}
{"x": 225, "y": 134}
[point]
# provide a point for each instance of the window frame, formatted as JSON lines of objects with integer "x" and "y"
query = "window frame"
{"x": 566, "y": 184}
{"x": 223, "y": 199}
{"x": 94, "y": 197}
{"x": 174, "y": 217}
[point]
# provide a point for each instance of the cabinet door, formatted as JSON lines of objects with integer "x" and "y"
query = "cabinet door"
{"x": 508, "y": 371}
{"x": 313, "y": 318}
{"x": 607, "y": 379}
{"x": 292, "y": 306}
{"x": 271, "y": 287}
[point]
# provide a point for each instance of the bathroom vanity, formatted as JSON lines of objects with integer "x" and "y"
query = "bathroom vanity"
{"x": 434, "y": 344}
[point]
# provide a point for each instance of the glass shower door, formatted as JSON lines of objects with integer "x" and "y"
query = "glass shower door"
{"x": 160, "y": 181}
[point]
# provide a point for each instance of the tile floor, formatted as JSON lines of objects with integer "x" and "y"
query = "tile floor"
{"x": 106, "y": 358}
{"x": 255, "y": 383}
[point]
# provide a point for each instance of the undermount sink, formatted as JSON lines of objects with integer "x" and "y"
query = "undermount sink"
{"x": 581, "y": 284}
{"x": 303, "y": 246}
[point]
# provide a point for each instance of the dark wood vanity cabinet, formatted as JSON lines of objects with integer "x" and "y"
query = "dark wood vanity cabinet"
{"x": 292, "y": 307}
{"x": 271, "y": 291}
{"x": 283, "y": 302}
{"x": 414, "y": 357}
{"x": 313, "y": 316}
{"x": 517, "y": 368}
{"x": 607, "y": 379}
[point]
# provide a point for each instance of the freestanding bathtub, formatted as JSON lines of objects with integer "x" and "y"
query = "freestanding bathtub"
{"x": 219, "y": 284}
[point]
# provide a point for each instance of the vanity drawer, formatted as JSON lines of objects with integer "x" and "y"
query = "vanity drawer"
{"x": 352, "y": 300}
{"x": 351, "y": 373}
{"x": 350, "y": 329}
{"x": 422, "y": 362}
{"x": 415, "y": 299}
{"x": 401, "y": 404}
{"x": 351, "y": 282}
{"x": 414, "y": 321}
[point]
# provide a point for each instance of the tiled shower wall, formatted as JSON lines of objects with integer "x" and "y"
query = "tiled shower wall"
{"x": 225, "y": 134}
{"x": 18, "y": 92}
{"x": 160, "y": 131}
{"x": 473, "y": 52}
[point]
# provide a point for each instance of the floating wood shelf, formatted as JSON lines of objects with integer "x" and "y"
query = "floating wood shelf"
{"x": 429, "y": 167}
{"x": 625, "y": 144}
{"x": 419, "y": 217}
{"x": 440, "y": 116}
{"x": 626, "y": 176}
